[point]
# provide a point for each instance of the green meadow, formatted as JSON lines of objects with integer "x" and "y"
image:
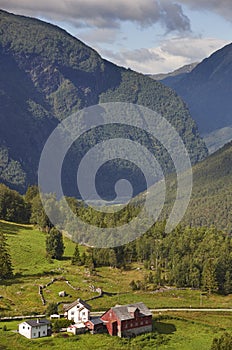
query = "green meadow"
{"x": 19, "y": 296}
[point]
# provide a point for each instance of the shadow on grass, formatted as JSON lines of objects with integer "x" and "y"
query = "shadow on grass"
{"x": 11, "y": 229}
{"x": 164, "y": 328}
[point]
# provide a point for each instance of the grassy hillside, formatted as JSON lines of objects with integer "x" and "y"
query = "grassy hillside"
{"x": 27, "y": 248}
{"x": 46, "y": 75}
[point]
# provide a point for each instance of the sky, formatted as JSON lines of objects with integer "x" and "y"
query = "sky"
{"x": 149, "y": 36}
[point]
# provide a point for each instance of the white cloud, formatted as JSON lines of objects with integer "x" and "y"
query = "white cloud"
{"x": 170, "y": 55}
{"x": 104, "y": 13}
{"x": 99, "y": 35}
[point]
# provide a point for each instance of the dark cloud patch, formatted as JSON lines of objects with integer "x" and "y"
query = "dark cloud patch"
{"x": 104, "y": 13}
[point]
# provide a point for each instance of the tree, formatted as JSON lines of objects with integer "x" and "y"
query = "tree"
{"x": 6, "y": 270}
{"x": 209, "y": 281}
{"x": 112, "y": 258}
{"x": 38, "y": 215}
{"x": 76, "y": 258}
{"x": 54, "y": 244}
{"x": 12, "y": 206}
{"x": 52, "y": 308}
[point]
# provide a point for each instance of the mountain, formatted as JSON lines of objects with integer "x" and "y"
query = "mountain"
{"x": 207, "y": 90}
{"x": 176, "y": 74}
{"x": 46, "y": 75}
{"x": 211, "y": 202}
{"x": 211, "y": 199}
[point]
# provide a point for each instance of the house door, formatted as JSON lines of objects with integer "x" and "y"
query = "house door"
{"x": 39, "y": 334}
{"x": 114, "y": 328}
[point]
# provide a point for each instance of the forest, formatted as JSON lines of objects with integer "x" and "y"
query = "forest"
{"x": 196, "y": 257}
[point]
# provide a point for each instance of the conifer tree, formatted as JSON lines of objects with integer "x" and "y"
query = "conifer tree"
{"x": 76, "y": 258}
{"x": 54, "y": 244}
{"x": 6, "y": 270}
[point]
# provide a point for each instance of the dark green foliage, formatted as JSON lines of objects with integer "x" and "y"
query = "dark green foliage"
{"x": 31, "y": 193}
{"x": 209, "y": 278}
{"x": 6, "y": 270}
{"x": 52, "y": 308}
{"x": 222, "y": 343}
{"x": 46, "y": 75}
{"x": 13, "y": 206}
{"x": 211, "y": 199}
{"x": 38, "y": 215}
{"x": 54, "y": 244}
{"x": 76, "y": 258}
{"x": 60, "y": 323}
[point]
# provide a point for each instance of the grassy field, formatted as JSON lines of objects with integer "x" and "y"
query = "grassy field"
{"x": 176, "y": 331}
{"x": 179, "y": 331}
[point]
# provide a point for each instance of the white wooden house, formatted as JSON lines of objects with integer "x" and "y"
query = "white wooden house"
{"x": 78, "y": 312}
{"x": 35, "y": 328}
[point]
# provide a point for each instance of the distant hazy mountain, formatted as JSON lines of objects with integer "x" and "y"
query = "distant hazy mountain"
{"x": 176, "y": 74}
{"x": 218, "y": 138}
{"x": 207, "y": 91}
{"x": 46, "y": 75}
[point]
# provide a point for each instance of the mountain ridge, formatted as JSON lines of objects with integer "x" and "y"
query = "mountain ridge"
{"x": 207, "y": 91}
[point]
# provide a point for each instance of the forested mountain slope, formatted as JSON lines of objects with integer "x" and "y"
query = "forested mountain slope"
{"x": 46, "y": 75}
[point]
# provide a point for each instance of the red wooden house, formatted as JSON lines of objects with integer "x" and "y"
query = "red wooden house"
{"x": 128, "y": 320}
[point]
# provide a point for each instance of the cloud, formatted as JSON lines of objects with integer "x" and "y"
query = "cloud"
{"x": 99, "y": 35}
{"x": 222, "y": 7}
{"x": 170, "y": 55}
{"x": 104, "y": 13}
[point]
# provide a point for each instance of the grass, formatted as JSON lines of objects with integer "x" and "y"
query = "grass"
{"x": 20, "y": 295}
{"x": 178, "y": 331}
{"x": 172, "y": 331}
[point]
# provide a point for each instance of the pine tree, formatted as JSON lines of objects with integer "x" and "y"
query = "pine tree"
{"x": 54, "y": 244}
{"x": 6, "y": 270}
{"x": 76, "y": 259}
{"x": 209, "y": 281}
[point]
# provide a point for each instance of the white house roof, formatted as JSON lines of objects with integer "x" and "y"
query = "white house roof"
{"x": 67, "y": 307}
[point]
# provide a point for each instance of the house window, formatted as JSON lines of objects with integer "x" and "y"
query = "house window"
{"x": 34, "y": 334}
{"x": 23, "y": 327}
{"x": 28, "y": 327}
{"x": 72, "y": 313}
{"x": 141, "y": 323}
{"x": 125, "y": 326}
{"x": 146, "y": 322}
{"x": 136, "y": 324}
{"x": 131, "y": 324}
{"x": 43, "y": 332}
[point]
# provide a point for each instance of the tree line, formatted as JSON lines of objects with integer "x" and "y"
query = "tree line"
{"x": 193, "y": 257}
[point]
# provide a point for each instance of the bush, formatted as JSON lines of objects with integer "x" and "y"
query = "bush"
{"x": 222, "y": 343}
